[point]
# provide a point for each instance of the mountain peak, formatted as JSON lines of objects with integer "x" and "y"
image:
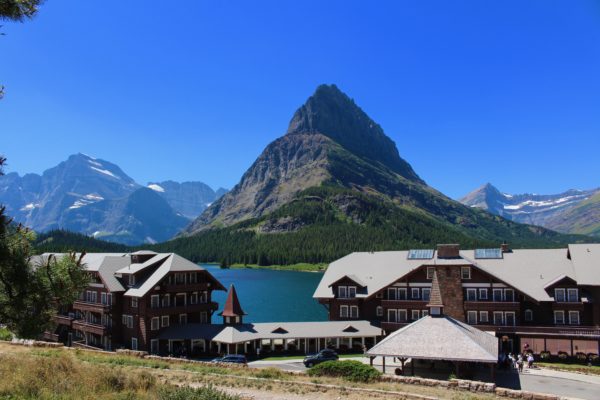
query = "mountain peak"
{"x": 332, "y": 113}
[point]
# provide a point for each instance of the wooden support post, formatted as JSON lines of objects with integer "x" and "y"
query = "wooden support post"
{"x": 493, "y": 372}
{"x": 384, "y": 364}
{"x": 412, "y": 366}
{"x": 371, "y": 358}
{"x": 457, "y": 365}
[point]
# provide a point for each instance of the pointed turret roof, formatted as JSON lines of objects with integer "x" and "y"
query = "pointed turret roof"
{"x": 435, "y": 298}
{"x": 232, "y": 304}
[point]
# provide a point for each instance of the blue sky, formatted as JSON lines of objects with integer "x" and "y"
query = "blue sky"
{"x": 471, "y": 91}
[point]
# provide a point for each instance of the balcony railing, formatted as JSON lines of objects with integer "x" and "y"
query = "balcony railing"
{"x": 566, "y": 330}
{"x": 90, "y": 327}
{"x": 408, "y": 304}
{"x": 183, "y": 308}
{"x": 89, "y": 306}
{"x": 492, "y": 305}
{"x": 63, "y": 320}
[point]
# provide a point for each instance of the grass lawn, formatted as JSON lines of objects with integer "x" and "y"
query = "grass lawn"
{"x": 593, "y": 370}
{"x": 51, "y": 374}
{"x": 304, "y": 267}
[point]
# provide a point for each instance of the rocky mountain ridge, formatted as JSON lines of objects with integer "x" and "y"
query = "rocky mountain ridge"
{"x": 573, "y": 211}
{"x": 95, "y": 197}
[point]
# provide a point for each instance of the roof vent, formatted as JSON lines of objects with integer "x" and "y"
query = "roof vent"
{"x": 350, "y": 328}
{"x": 448, "y": 250}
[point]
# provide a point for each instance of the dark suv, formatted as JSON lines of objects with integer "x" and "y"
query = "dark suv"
{"x": 232, "y": 358}
{"x": 322, "y": 356}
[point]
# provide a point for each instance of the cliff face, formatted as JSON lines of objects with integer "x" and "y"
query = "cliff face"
{"x": 329, "y": 140}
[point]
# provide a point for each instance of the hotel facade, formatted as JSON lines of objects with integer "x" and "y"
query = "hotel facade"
{"x": 546, "y": 299}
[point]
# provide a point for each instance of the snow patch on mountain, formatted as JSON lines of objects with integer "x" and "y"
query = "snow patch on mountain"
{"x": 156, "y": 188}
{"x": 547, "y": 203}
{"x": 86, "y": 200}
{"x": 105, "y": 172}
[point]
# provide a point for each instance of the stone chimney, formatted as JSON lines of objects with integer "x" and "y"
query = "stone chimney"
{"x": 505, "y": 248}
{"x": 448, "y": 250}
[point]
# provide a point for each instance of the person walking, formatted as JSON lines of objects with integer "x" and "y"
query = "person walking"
{"x": 520, "y": 363}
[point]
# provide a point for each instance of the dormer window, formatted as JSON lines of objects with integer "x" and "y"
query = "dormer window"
{"x": 572, "y": 295}
{"x": 342, "y": 292}
{"x": 131, "y": 280}
{"x": 465, "y": 272}
{"x": 559, "y": 295}
{"x": 352, "y": 291}
{"x": 430, "y": 272}
{"x": 134, "y": 302}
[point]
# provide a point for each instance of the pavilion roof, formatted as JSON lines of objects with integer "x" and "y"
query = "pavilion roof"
{"x": 439, "y": 338}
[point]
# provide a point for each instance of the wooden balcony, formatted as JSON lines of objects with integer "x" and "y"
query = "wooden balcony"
{"x": 63, "y": 320}
{"x": 492, "y": 305}
{"x": 185, "y": 287}
{"x": 84, "y": 326}
{"x": 93, "y": 307}
{"x": 190, "y": 308}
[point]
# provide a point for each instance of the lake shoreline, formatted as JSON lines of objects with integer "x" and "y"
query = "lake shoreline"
{"x": 301, "y": 267}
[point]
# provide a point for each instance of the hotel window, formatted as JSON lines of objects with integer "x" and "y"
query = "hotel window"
{"x": 194, "y": 298}
{"x": 392, "y": 315}
{"x": 391, "y": 293}
{"x": 351, "y": 292}
{"x": 131, "y": 280}
{"x": 574, "y": 317}
{"x": 497, "y": 294}
{"x": 166, "y": 300}
{"x": 402, "y": 316}
{"x": 164, "y": 321}
{"x": 204, "y": 297}
{"x": 424, "y": 313}
{"x": 154, "y": 346}
{"x": 134, "y": 345}
{"x": 528, "y": 315}
{"x": 353, "y": 311}
{"x": 193, "y": 277}
{"x": 559, "y": 295}
{"x": 509, "y": 318}
{"x": 203, "y": 317}
{"x": 465, "y": 272}
{"x": 402, "y": 294}
{"x": 483, "y": 317}
{"x": 415, "y": 293}
{"x": 472, "y": 317}
{"x": 127, "y": 320}
{"x": 103, "y": 299}
{"x": 154, "y": 301}
{"x": 471, "y": 294}
{"x": 379, "y": 311}
{"x": 426, "y": 293}
{"x": 134, "y": 302}
{"x": 343, "y": 311}
{"x": 559, "y": 317}
{"x": 183, "y": 319}
{"x": 415, "y": 315}
{"x": 509, "y": 295}
{"x": 110, "y": 299}
{"x": 180, "y": 278}
{"x": 155, "y": 324}
{"x": 572, "y": 295}
{"x": 483, "y": 294}
{"x": 498, "y": 318}
{"x": 342, "y": 292}
{"x": 430, "y": 271}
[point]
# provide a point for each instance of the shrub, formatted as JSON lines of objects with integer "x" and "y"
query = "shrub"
{"x": 5, "y": 334}
{"x": 562, "y": 355}
{"x": 545, "y": 355}
{"x": 188, "y": 393}
{"x": 351, "y": 370}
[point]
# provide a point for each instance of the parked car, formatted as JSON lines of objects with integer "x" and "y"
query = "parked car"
{"x": 232, "y": 358}
{"x": 322, "y": 356}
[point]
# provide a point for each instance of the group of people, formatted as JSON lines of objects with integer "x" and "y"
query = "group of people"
{"x": 517, "y": 362}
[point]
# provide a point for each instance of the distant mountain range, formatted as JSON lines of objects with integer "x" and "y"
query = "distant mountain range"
{"x": 333, "y": 184}
{"x": 96, "y": 198}
{"x": 573, "y": 211}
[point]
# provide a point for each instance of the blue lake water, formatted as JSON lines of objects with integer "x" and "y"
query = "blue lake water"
{"x": 269, "y": 295}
